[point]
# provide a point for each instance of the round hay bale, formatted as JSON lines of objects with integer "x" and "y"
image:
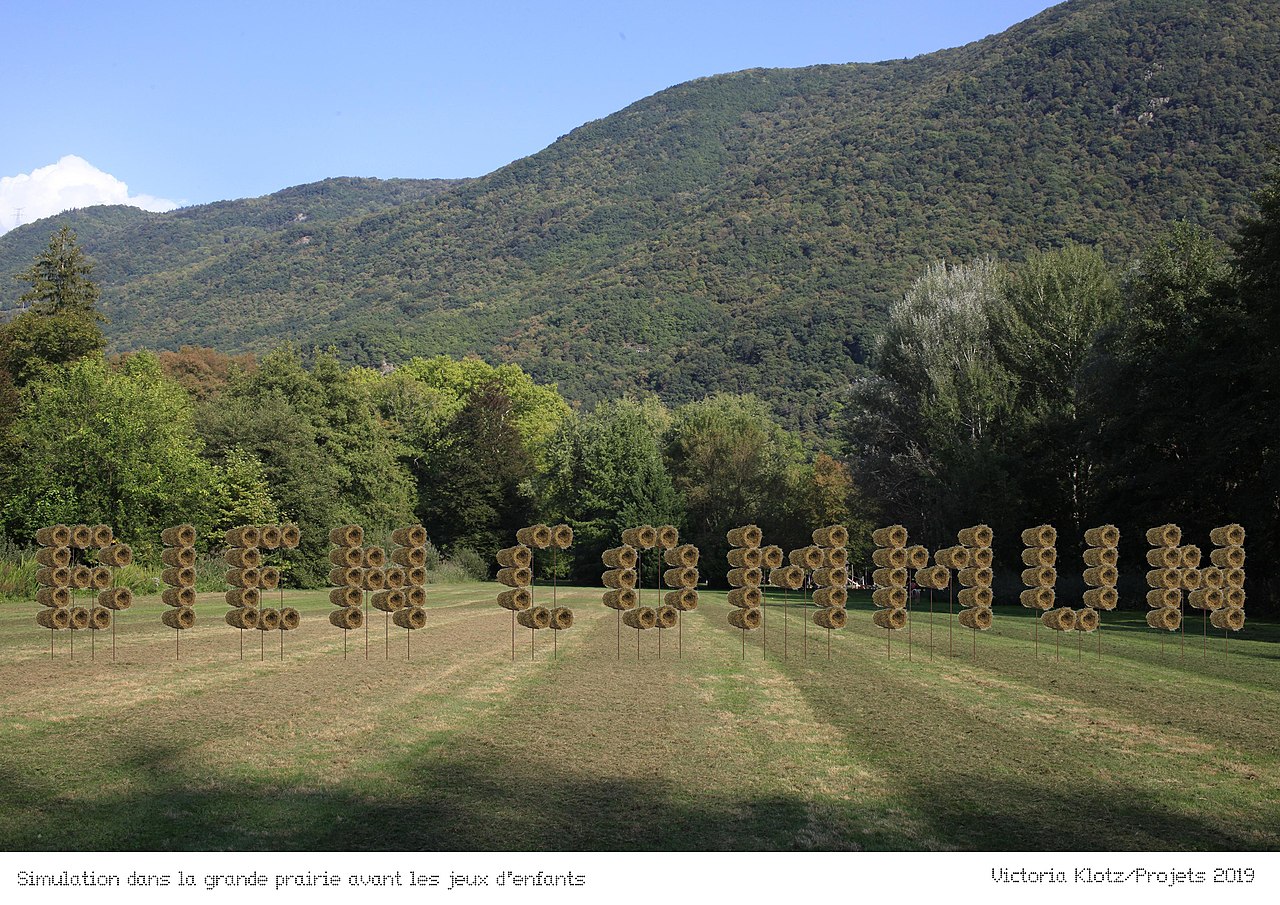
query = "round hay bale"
{"x": 388, "y": 601}
{"x": 1167, "y": 618}
{"x": 1102, "y": 556}
{"x": 831, "y": 617}
{"x": 53, "y": 597}
{"x": 1164, "y": 578}
{"x": 100, "y": 577}
{"x": 1040, "y": 577}
{"x": 350, "y": 618}
{"x": 982, "y": 557}
{"x": 178, "y": 596}
{"x": 179, "y": 536}
{"x": 787, "y": 577}
{"x": 825, "y": 597}
{"x": 561, "y": 619}
{"x": 1101, "y": 598}
{"x": 395, "y": 576}
{"x": 1041, "y": 557}
{"x": 893, "y": 620}
{"x": 81, "y": 577}
{"x": 1212, "y": 577}
{"x": 977, "y": 577}
{"x": 890, "y": 557}
{"x": 116, "y": 555}
{"x": 772, "y": 557}
{"x": 270, "y": 537}
{"x": 668, "y": 536}
{"x": 1164, "y": 557}
{"x": 415, "y": 576}
{"x": 246, "y": 618}
{"x": 54, "y": 536}
{"x": 680, "y": 578}
{"x": 347, "y": 557}
{"x": 745, "y": 536}
{"x": 1169, "y": 535}
{"x": 179, "y": 557}
{"x": 290, "y": 536}
{"x": 57, "y": 620}
{"x": 748, "y": 620}
{"x": 1206, "y": 599}
{"x": 831, "y": 578}
{"x": 1233, "y": 578}
{"x": 621, "y": 599}
{"x": 244, "y": 557}
{"x": 268, "y": 620}
{"x": 1190, "y": 556}
{"x": 624, "y": 557}
{"x": 249, "y": 578}
{"x": 978, "y": 617}
{"x": 410, "y": 536}
{"x": 81, "y": 537}
{"x": 1087, "y": 620}
{"x": 79, "y": 618}
{"x": 269, "y": 578}
{"x": 99, "y": 619}
{"x": 54, "y": 577}
{"x": 831, "y": 536}
{"x": 641, "y": 617}
{"x": 537, "y": 617}
{"x": 417, "y": 596}
{"x": 243, "y": 597}
{"x": 890, "y": 598}
{"x": 1227, "y": 557}
{"x": 376, "y": 558}
{"x": 373, "y": 580}
{"x": 412, "y": 618}
{"x": 890, "y": 578}
{"x": 619, "y": 578}
{"x": 1159, "y": 598}
{"x": 685, "y": 600}
{"x": 1233, "y": 597}
{"x": 347, "y": 536}
{"x": 744, "y": 578}
{"x": 1062, "y": 619}
{"x": 517, "y": 557}
{"x": 339, "y": 577}
{"x": 917, "y": 557}
{"x": 807, "y": 557}
{"x": 1103, "y": 536}
{"x": 892, "y": 536}
{"x": 1230, "y": 618}
{"x": 1191, "y": 578}
{"x": 952, "y": 557}
{"x": 116, "y": 598}
{"x": 746, "y": 557}
{"x": 54, "y": 557}
{"x": 979, "y": 597}
{"x": 746, "y": 598}
{"x": 345, "y": 596}
{"x": 244, "y": 536}
{"x": 684, "y": 555}
{"x": 416, "y": 557}
{"x": 103, "y": 536}
{"x": 666, "y": 616}
{"x": 1037, "y": 598}
{"x": 181, "y": 619}
{"x": 1040, "y": 536}
{"x": 934, "y": 577}
{"x": 537, "y": 536}
{"x": 1101, "y": 576}
{"x": 290, "y": 619}
{"x": 1228, "y": 536}
{"x": 977, "y": 536}
{"x": 515, "y": 578}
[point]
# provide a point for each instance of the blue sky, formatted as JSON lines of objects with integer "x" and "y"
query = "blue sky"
{"x": 196, "y": 102}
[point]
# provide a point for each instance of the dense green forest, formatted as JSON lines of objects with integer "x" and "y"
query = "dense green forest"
{"x": 744, "y": 233}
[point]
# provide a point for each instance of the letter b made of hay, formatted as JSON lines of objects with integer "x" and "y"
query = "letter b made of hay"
{"x": 64, "y": 568}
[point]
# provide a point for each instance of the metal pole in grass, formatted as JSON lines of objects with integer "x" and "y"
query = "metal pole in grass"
{"x": 513, "y": 634}
{"x": 1204, "y": 647}
{"x": 619, "y": 612}
{"x": 950, "y": 617}
{"x": 386, "y": 632}
{"x": 828, "y": 644}
{"x": 242, "y": 644}
{"x": 804, "y": 615}
{"x": 344, "y": 644}
{"x": 931, "y": 624}
{"x": 908, "y": 628}
{"x": 407, "y": 635}
{"x": 531, "y": 635}
{"x": 282, "y": 621}
{"x": 784, "y": 624}
{"x": 1182, "y": 631}
{"x": 744, "y": 644}
{"x": 364, "y": 599}
{"x": 555, "y": 634}
{"x": 764, "y": 619}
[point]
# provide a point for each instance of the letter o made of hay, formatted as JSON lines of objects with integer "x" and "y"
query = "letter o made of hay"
{"x": 787, "y": 577}
{"x": 244, "y": 597}
{"x": 892, "y": 536}
{"x": 680, "y": 578}
{"x": 178, "y": 557}
{"x": 1164, "y": 578}
{"x": 772, "y": 556}
{"x": 621, "y": 599}
{"x": 388, "y": 601}
{"x": 1164, "y": 557}
{"x": 100, "y": 577}
{"x": 831, "y": 536}
{"x": 1206, "y": 599}
{"x": 376, "y": 558}
{"x": 619, "y": 578}
{"x": 1103, "y": 536}
{"x": 115, "y": 598}
{"x": 1062, "y": 619}
{"x": 668, "y": 536}
{"x": 246, "y": 618}
{"x": 268, "y": 620}
{"x": 977, "y": 536}
{"x": 517, "y": 557}
{"x": 413, "y": 618}
{"x": 537, "y": 536}
{"x": 243, "y": 557}
{"x": 1159, "y": 598}
{"x": 410, "y": 536}
{"x": 1101, "y": 598}
{"x": 953, "y": 557}
{"x": 890, "y": 557}
{"x": 747, "y": 597}
{"x": 1230, "y": 618}
{"x": 978, "y": 617}
{"x": 1043, "y": 557}
{"x": 1167, "y": 618}
{"x": 178, "y": 596}
{"x": 1086, "y": 620}
{"x": 373, "y": 579}
{"x": 290, "y": 536}
{"x": 54, "y": 536}
{"x": 103, "y": 536}
{"x": 347, "y": 536}
{"x": 396, "y": 577}
{"x": 825, "y": 597}
{"x": 54, "y": 557}
{"x": 347, "y": 557}
{"x": 1228, "y": 536}
{"x": 416, "y": 557}
{"x": 290, "y": 619}
{"x": 685, "y": 600}
{"x": 1037, "y": 598}
{"x": 1102, "y": 556}
{"x": 561, "y": 619}
{"x": 893, "y": 620}
{"x": 890, "y": 578}
{"x": 345, "y": 596}
{"x": 81, "y": 577}
{"x": 269, "y": 578}
{"x": 975, "y": 597}
{"x": 1101, "y": 576}
{"x": 537, "y": 617}
{"x": 243, "y": 536}
{"x": 415, "y": 596}
{"x": 270, "y": 537}
{"x": 624, "y": 557}
{"x": 350, "y": 618}
{"x": 746, "y": 557}
{"x": 831, "y": 617}
{"x": 747, "y": 620}
{"x": 917, "y": 557}
{"x": 182, "y": 618}
{"x": 81, "y": 537}
{"x": 666, "y": 616}
{"x": 978, "y": 577}
{"x": 1040, "y": 577}
{"x": 55, "y": 619}
{"x": 934, "y": 577}
{"x": 53, "y": 597}
{"x": 179, "y": 536}
{"x": 745, "y": 536}
{"x": 684, "y": 555}
{"x": 249, "y": 578}
{"x": 891, "y": 598}
{"x": 515, "y": 578}
{"x": 740, "y": 578}
{"x": 1227, "y": 557}
{"x": 1164, "y": 536}
{"x": 1040, "y": 536}
{"x": 641, "y": 617}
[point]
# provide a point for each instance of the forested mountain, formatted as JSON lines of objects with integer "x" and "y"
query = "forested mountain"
{"x": 742, "y": 232}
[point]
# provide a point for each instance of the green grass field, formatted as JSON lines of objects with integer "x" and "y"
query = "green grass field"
{"x": 1146, "y": 746}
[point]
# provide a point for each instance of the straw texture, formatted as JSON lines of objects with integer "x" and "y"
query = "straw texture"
{"x": 1228, "y": 536}
{"x": 1230, "y": 618}
{"x": 892, "y": 536}
{"x": 1102, "y": 536}
{"x": 680, "y": 578}
{"x": 668, "y": 536}
{"x": 646, "y": 617}
{"x": 642, "y": 537}
{"x": 621, "y": 599}
{"x": 1040, "y": 536}
{"x": 831, "y": 617}
{"x": 1167, "y": 618}
{"x": 826, "y": 597}
{"x": 410, "y": 536}
{"x": 893, "y": 620}
{"x": 345, "y": 536}
{"x": 517, "y": 578}
{"x": 1037, "y": 598}
{"x": 1062, "y": 619}
{"x": 246, "y": 618}
{"x": 977, "y": 536}
{"x": 413, "y": 618}
{"x": 748, "y": 620}
{"x": 182, "y": 618}
{"x": 624, "y": 557}
{"x": 685, "y": 600}
{"x": 739, "y": 578}
{"x": 1101, "y": 598}
{"x": 1164, "y": 536}
{"x": 619, "y": 578}
{"x": 746, "y": 598}
{"x": 831, "y": 536}
{"x": 683, "y": 555}
{"x": 978, "y": 617}
{"x": 745, "y": 536}
{"x": 349, "y": 618}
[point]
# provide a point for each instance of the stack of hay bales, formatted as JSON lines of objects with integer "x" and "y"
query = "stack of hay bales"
{"x": 179, "y": 559}
{"x": 245, "y": 578}
{"x": 348, "y": 577}
{"x": 623, "y": 578}
{"x": 1101, "y": 560}
{"x": 831, "y": 579}
{"x": 520, "y": 578}
{"x": 976, "y": 579}
{"x": 890, "y": 577}
{"x": 515, "y": 570}
{"x": 1164, "y": 578}
{"x": 746, "y": 560}
{"x": 111, "y": 556}
{"x": 404, "y": 594}
{"x": 682, "y": 575}
{"x": 54, "y": 578}
{"x": 1039, "y": 553}
{"x": 561, "y": 617}
{"x": 1227, "y": 558}
{"x": 278, "y": 537}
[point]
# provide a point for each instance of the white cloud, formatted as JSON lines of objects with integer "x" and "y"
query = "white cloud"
{"x": 70, "y": 183}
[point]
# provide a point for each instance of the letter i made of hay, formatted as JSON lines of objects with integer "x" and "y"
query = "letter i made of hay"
{"x": 1165, "y": 580}
{"x": 746, "y": 559}
{"x": 403, "y": 596}
{"x": 179, "y": 576}
{"x": 1101, "y": 573}
{"x": 831, "y": 580}
{"x": 85, "y": 558}
{"x": 890, "y": 579}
